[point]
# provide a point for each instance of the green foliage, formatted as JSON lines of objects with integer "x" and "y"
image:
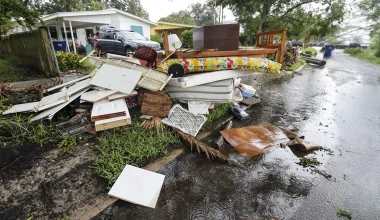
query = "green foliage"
{"x": 197, "y": 14}
{"x": 297, "y": 65}
{"x": 187, "y": 38}
{"x": 18, "y": 129}
{"x": 218, "y": 112}
{"x": 11, "y": 70}
{"x": 243, "y": 38}
{"x": 155, "y": 38}
{"x": 309, "y": 49}
{"x": 344, "y": 213}
{"x": 67, "y": 144}
{"x": 353, "y": 51}
{"x": 14, "y": 9}
{"x": 69, "y": 61}
{"x": 119, "y": 147}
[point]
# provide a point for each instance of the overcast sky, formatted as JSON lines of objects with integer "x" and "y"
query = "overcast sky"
{"x": 162, "y": 8}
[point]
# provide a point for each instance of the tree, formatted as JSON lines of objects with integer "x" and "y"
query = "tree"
{"x": 262, "y": 10}
{"x": 181, "y": 17}
{"x": 371, "y": 9}
{"x": 198, "y": 14}
{"x": 15, "y": 9}
{"x": 131, "y": 6}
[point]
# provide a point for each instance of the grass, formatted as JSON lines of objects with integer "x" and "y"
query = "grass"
{"x": 218, "y": 112}
{"x": 307, "y": 162}
{"x": 136, "y": 147}
{"x": 297, "y": 65}
{"x": 344, "y": 213}
{"x": 367, "y": 55}
{"x": 11, "y": 70}
{"x": 309, "y": 49}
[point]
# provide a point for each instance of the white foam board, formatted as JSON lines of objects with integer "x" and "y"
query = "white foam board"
{"x": 116, "y": 78}
{"x": 106, "y": 107}
{"x": 95, "y": 96}
{"x": 138, "y": 186}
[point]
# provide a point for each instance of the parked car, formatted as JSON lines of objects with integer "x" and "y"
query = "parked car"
{"x": 297, "y": 43}
{"x": 354, "y": 45}
{"x": 123, "y": 42}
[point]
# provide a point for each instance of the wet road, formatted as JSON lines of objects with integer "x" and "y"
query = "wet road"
{"x": 337, "y": 107}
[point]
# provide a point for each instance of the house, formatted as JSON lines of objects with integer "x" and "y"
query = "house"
{"x": 76, "y": 26}
{"x": 173, "y": 28}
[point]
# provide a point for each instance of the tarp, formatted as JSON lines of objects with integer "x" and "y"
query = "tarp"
{"x": 193, "y": 65}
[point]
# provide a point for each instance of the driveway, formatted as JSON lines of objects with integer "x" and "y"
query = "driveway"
{"x": 337, "y": 107}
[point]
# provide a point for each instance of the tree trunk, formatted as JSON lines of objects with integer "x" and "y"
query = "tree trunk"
{"x": 261, "y": 23}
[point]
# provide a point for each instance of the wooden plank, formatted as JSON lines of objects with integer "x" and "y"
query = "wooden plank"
{"x": 96, "y": 96}
{"x": 67, "y": 83}
{"x": 224, "y": 53}
{"x": 52, "y": 100}
{"x": 108, "y": 109}
{"x": 156, "y": 105}
{"x": 27, "y": 107}
{"x": 117, "y": 78}
{"x": 166, "y": 42}
{"x": 270, "y": 32}
{"x": 113, "y": 122}
{"x": 121, "y": 96}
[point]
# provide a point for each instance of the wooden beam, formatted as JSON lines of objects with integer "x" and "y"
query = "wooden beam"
{"x": 166, "y": 42}
{"x": 206, "y": 54}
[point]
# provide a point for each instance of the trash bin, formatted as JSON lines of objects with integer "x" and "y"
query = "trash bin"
{"x": 59, "y": 45}
{"x": 88, "y": 48}
{"x": 328, "y": 50}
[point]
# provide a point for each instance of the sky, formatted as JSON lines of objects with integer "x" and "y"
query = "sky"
{"x": 162, "y": 8}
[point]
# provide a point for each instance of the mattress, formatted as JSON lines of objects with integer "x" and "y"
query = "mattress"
{"x": 220, "y": 92}
{"x": 204, "y": 78}
{"x": 193, "y": 65}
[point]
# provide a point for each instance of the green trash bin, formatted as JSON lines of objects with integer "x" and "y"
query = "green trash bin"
{"x": 88, "y": 49}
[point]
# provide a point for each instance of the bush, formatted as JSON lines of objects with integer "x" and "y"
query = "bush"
{"x": 155, "y": 38}
{"x": 69, "y": 61}
{"x": 353, "y": 51}
{"x": 187, "y": 38}
{"x": 377, "y": 53}
{"x": 243, "y": 38}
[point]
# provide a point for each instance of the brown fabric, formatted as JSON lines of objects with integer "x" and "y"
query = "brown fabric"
{"x": 145, "y": 53}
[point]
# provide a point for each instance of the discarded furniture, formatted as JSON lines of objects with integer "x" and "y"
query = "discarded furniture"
{"x": 267, "y": 40}
{"x": 223, "y": 37}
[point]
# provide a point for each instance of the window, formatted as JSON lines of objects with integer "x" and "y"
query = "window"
{"x": 53, "y": 32}
{"x": 68, "y": 33}
{"x": 137, "y": 29}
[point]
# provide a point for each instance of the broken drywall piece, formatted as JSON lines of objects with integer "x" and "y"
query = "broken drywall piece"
{"x": 122, "y": 96}
{"x": 184, "y": 120}
{"x": 198, "y": 107}
{"x": 138, "y": 186}
{"x": 116, "y": 78}
{"x": 27, "y": 107}
{"x": 96, "y": 96}
{"x": 106, "y": 109}
{"x": 49, "y": 113}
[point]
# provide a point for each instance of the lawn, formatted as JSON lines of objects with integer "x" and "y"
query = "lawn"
{"x": 11, "y": 70}
{"x": 297, "y": 65}
{"x": 309, "y": 49}
{"x": 368, "y": 55}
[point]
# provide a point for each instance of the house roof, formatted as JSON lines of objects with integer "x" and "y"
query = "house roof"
{"x": 176, "y": 24}
{"x": 89, "y": 13}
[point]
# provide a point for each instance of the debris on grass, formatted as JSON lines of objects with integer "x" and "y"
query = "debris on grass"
{"x": 344, "y": 213}
{"x": 154, "y": 124}
{"x": 309, "y": 162}
{"x": 321, "y": 172}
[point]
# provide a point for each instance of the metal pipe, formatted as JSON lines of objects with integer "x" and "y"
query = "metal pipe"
{"x": 55, "y": 57}
{"x": 64, "y": 29}
{"x": 72, "y": 37}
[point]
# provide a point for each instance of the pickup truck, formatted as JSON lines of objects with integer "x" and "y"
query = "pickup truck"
{"x": 124, "y": 42}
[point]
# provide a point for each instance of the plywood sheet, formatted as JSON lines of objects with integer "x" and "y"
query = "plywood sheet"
{"x": 138, "y": 186}
{"x": 116, "y": 78}
{"x": 96, "y": 96}
{"x": 156, "y": 105}
{"x": 113, "y": 122}
{"x": 108, "y": 109}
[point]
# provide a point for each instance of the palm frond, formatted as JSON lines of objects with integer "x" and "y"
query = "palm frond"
{"x": 154, "y": 124}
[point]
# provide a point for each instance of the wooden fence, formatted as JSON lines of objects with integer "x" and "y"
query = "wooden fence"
{"x": 32, "y": 48}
